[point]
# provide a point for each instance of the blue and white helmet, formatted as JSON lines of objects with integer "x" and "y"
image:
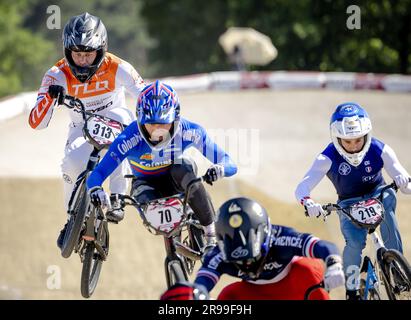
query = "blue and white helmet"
{"x": 350, "y": 121}
{"x": 158, "y": 103}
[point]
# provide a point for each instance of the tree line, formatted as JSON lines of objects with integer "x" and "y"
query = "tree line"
{"x": 166, "y": 38}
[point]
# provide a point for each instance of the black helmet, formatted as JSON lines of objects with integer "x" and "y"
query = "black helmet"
{"x": 243, "y": 234}
{"x": 85, "y": 33}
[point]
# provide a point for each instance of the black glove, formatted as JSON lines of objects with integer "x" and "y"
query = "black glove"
{"x": 214, "y": 173}
{"x": 57, "y": 92}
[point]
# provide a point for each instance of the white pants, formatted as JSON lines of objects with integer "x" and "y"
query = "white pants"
{"x": 77, "y": 152}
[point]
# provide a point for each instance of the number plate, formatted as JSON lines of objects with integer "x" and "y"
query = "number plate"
{"x": 369, "y": 212}
{"x": 165, "y": 214}
{"x": 103, "y": 130}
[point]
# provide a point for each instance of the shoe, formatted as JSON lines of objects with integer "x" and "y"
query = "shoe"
{"x": 116, "y": 214}
{"x": 60, "y": 238}
{"x": 352, "y": 295}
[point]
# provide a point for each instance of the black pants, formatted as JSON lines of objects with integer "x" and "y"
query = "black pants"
{"x": 173, "y": 182}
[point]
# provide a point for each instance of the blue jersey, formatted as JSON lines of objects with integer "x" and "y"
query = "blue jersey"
{"x": 146, "y": 162}
{"x": 286, "y": 245}
{"x": 350, "y": 181}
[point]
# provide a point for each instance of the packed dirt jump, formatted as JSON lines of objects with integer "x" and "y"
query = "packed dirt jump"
{"x": 275, "y": 137}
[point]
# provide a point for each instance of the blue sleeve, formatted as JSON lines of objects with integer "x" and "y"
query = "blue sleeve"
{"x": 209, "y": 273}
{"x": 214, "y": 153}
{"x": 111, "y": 160}
{"x": 289, "y": 242}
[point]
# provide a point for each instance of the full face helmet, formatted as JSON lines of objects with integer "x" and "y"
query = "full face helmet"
{"x": 350, "y": 121}
{"x": 158, "y": 103}
{"x": 243, "y": 232}
{"x": 84, "y": 33}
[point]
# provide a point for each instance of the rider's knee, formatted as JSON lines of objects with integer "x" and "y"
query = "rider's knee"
{"x": 184, "y": 172}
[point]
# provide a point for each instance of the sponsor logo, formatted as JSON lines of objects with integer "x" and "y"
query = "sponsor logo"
{"x": 128, "y": 144}
{"x": 234, "y": 207}
{"x": 368, "y": 178}
{"x": 239, "y": 253}
{"x": 235, "y": 221}
{"x": 348, "y": 110}
{"x": 344, "y": 169}
{"x": 156, "y": 164}
{"x": 272, "y": 265}
{"x": 367, "y": 163}
{"x": 67, "y": 179}
{"x": 115, "y": 157}
{"x": 368, "y": 169}
{"x": 215, "y": 261}
{"x": 192, "y": 135}
{"x": 147, "y": 156}
{"x": 289, "y": 241}
{"x": 86, "y": 88}
{"x": 48, "y": 81}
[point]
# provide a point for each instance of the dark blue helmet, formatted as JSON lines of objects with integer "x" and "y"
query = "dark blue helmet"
{"x": 243, "y": 233}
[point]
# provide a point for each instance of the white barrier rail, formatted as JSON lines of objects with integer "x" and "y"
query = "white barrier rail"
{"x": 234, "y": 80}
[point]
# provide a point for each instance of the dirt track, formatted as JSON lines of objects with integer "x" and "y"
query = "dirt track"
{"x": 292, "y": 128}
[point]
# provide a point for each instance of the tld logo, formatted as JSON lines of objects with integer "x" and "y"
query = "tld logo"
{"x": 87, "y": 88}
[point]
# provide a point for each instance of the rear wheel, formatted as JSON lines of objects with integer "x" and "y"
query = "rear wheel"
{"x": 396, "y": 275}
{"x": 75, "y": 223}
{"x": 93, "y": 261}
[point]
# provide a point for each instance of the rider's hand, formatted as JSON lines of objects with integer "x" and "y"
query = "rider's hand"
{"x": 99, "y": 197}
{"x": 214, "y": 173}
{"x": 334, "y": 274}
{"x": 57, "y": 92}
{"x": 312, "y": 208}
{"x": 401, "y": 181}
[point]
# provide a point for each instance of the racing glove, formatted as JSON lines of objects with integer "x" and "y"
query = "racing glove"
{"x": 57, "y": 92}
{"x": 401, "y": 181}
{"x": 99, "y": 198}
{"x": 312, "y": 209}
{"x": 214, "y": 173}
{"x": 334, "y": 274}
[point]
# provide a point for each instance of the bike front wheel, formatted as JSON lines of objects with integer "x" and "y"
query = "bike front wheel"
{"x": 75, "y": 223}
{"x": 396, "y": 275}
{"x": 93, "y": 260}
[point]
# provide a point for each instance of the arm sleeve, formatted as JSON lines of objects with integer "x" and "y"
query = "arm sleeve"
{"x": 293, "y": 243}
{"x": 130, "y": 79}
{"x": 393, "y": 166}
{"x": 41, "y": 113}
{"x": 111, "y": 160}
{"x": 215, "y": 154}
{"x": 316, "y": 173}
{"x": 207, "y": 277}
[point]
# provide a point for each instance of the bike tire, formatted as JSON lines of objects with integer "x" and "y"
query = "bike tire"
{"x": 394, "y": 259}
{"x": 175, "y": 273}
{"x": 75, "y": 223}
{"x": 93, "y": 262}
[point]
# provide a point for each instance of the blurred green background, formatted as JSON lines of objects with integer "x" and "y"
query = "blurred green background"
{"x": 169, "y": 38}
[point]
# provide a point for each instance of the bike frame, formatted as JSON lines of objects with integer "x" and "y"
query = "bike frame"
{"x": 94, "y": 158}
{"x": 373, "y": 276}
{"x": 175, "y": 249}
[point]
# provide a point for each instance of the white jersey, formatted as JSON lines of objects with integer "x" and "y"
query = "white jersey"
{"x": 102, "y": 94}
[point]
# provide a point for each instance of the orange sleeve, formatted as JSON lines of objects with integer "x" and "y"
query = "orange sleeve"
{"x": 42, "y": 111}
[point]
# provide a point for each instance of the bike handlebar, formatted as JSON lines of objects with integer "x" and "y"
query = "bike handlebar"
{"x": 329, "y": 207}
{"x": 186, "y": 194}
